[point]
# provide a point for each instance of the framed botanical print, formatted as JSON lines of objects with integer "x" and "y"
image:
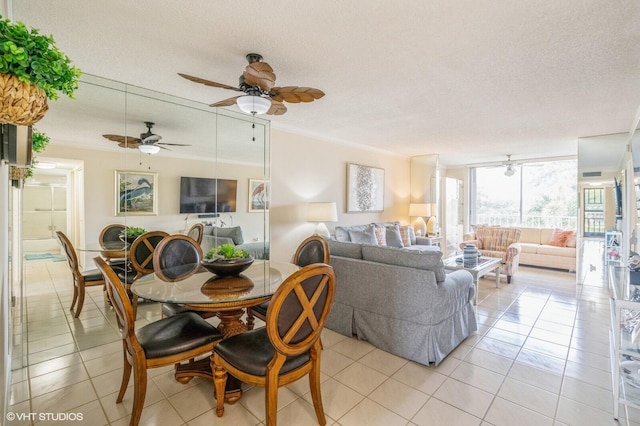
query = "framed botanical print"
{"x": 365, "y": 189}
{"x": 136, "y": 193}
{"x": 258, "y": 195}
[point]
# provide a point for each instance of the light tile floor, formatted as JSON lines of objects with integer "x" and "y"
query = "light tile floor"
{"x": 540, "y": 357}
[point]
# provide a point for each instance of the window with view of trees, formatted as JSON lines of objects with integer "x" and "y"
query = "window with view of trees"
{"x": 538, "y": 195}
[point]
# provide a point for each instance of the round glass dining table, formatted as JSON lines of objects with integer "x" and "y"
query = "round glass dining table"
{"x": 108, "y": 249}
{"x": 227, "y": 296}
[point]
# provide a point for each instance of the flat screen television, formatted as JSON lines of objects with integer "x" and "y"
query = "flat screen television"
{"x": 618, "y": 196}
{"x": 205, "y": 195}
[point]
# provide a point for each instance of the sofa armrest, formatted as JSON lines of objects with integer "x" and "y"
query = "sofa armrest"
{"x": 423, "y": 241}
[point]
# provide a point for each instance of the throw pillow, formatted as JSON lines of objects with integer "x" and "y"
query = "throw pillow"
{"x": 571, "y": 241}
{"x": 404, "y": 234}
{"x": 393, "y": 236}
{"x": 559, "y": 238}
{"x": 381, "y": 236}
{"x": 367, "y": 236}
{"x": 233, "y": 232}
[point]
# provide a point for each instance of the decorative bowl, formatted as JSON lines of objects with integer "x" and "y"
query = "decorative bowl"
{"x": 227, "y": 267}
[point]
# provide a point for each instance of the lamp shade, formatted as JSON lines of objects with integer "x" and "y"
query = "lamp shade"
{"x": 322, "y": 212}
{"x": 149, "y": 148}
{"x": 419, "y": 209}
{"x": 253, "y": 104}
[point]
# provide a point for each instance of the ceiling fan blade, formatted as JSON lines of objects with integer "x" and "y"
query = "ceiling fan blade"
{"x": 124, "y": 141}
{"x": 151, "y": 138}
{"x": 226, "y": 102}
{"x": 208, "y": 82}
{"x": 171, "y": 144}
{"x": 277, "y": 108}
{"x": 260, "y": 74}
{"x": 295, "y": 94}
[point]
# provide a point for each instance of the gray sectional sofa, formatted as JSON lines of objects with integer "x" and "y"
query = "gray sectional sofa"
{"x": 401, "y": 301}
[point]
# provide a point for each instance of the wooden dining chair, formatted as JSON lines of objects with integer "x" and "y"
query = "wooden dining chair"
{"x": 175, "y": 258}
{"x": 165, "y": 342}
{"x": 288, "y": 348}
{"x": 81, "y": 279}
{"x": 196, "y": 232}
{"x": 313, "y": 249}
{"x": 141, "y": 252}
{"x": 111, "y": 234}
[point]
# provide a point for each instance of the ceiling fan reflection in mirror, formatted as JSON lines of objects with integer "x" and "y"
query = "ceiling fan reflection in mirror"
{"x": 257, "y": 82}
{"x": 147, "y": 143}
{"x": 511, "y": 166}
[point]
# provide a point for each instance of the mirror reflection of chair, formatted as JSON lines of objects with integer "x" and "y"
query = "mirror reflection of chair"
{"x": 141, "y": 252}
{"x": 314, "y": 249}
{"x": 196, "y": 232}
{"x": 288, "y": 348}
{"x": 177, "y": 257}
{"x": 111, "y": 234}
{"x": 81, "y": 279}
{"x": 161, "y": 343}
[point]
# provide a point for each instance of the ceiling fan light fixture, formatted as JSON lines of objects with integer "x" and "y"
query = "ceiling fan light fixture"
{"x": 149, "y": 149}
{"x": 253, "y": 104}
{"x": 510, "y": 171}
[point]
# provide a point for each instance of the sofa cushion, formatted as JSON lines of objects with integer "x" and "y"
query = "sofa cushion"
{"x": 556, "y": 251}
{"x": 366, "y": 236}
{"x": 233, "y": 232}
{"x": 381, "y": 236}
{"x": 393, "y": 236}
{"x": 341, "y": 233}
{"x": 530, "y": 235}
{"x": 405, "y": 235}
{"x": 429, "y": 258}
{"x": 345, "y": 249}
{"x": 559, "y": 238}
{"x": 530, "y": 248}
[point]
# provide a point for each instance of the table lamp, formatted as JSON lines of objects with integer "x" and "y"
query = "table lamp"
{"x": 432, "y": 223}
{"x": 322, "y": 212}
{"x": 419, "y": 210}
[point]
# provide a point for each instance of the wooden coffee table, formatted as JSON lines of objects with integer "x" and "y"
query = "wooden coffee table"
{"x": 484, "y": 266}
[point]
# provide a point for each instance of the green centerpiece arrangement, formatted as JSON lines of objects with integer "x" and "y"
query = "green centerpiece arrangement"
{"x": 131, "y": 233}
{"x": 226, "y": 260}
{"x": 32, "y": 69}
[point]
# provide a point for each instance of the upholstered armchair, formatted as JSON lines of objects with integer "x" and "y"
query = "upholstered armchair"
{"x": 497, "y": 242}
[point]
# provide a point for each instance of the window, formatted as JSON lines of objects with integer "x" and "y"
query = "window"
{"x": 538, "y": 195}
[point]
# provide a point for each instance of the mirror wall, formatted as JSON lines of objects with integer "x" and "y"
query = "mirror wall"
{"x": 207, "y": 143}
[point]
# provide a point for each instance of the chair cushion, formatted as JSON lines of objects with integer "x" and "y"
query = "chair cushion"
{"x": 176, "y": 334}
{"x": 261, "y": 308}
{"x": 252, "y": 351}
{"x": 171, "y": 309}
{"x": 93, "y": 275}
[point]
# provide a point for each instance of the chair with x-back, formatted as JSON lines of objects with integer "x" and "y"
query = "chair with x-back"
{"x": 165, "y": 342}
{"x": 314, "y": 249}
{"x": 111, "y": 234}
{"x": 288, "y": 348}
{"x": 81, "y": 279}
{"x": 141, "y": 252}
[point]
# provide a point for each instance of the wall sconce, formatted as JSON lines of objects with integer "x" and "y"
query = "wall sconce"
{"x": 322, "y": 212}
{"x": 419, "y": 210}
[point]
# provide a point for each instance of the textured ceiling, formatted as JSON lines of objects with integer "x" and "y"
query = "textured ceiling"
{"x": 469, "y": 80}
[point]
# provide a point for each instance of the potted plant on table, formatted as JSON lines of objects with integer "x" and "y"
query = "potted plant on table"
{"x": 227, "y": 259}
{"x": 131, "y": 233}
{"x": 32, "y": 69}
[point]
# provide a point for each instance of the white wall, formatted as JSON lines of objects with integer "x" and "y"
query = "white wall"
{"x": 306, "y": 169}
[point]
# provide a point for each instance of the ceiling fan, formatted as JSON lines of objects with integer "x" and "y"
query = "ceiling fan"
{"x": 148, "y": 142}
{"x": 260, "y": 95}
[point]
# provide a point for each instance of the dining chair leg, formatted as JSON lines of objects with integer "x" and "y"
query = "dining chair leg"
{"x": 81, "y": 293}
{"x": 75, "y": 296}
{"x": 316, "y": 395}
{"x": 126, "y": 375}
{"x": 220, "y": 383}
{"x": 271, "y": 400}
{"x": 139, "y": 392}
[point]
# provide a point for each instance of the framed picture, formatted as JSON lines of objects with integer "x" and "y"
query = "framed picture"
{"x": 136, "y": 193}
{"x": 365, "y": 189}
{"x": 258, "y": 195}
